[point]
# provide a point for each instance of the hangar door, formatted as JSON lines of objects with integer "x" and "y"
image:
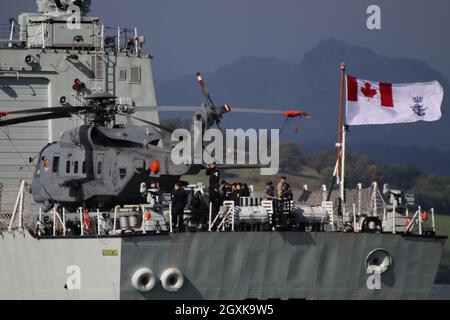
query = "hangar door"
{"x": 20, "y": 142}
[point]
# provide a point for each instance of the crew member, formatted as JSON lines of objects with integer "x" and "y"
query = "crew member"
{"x": 154, "y": 192}
{"x": 271, "y": 193}
{"x": 214, "y": 176}
{"x": 179, "y": 201}
{"x": 245, "y": 190}
{"x": 280, "y": 187}
{"x": 197, "y": 208}
{"x": 287, "y": 192}
{"x": 237, "y": 193}
{"x": 222, "y": 191}
{"x": 214, "y": 199}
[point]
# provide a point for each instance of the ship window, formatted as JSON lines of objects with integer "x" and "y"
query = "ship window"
{"x": 97, "y": 66}
{"x": 55, "y": 166}
{"x": 122, "y": 74}
{"x": 99, "y": 167}
{"x": 135, "y": 75}
{"x": 83, "y": 169}
{"x": 68, "y": 167}
{"x": 75, "y": 167}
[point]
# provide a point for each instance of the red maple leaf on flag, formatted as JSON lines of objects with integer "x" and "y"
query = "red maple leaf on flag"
{"x": 368, "y": 91}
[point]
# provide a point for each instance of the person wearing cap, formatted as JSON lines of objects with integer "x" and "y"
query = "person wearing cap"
{"x": 271, "y": 193}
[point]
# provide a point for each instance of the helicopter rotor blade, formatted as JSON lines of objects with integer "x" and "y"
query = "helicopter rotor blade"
{"x": 39, "y": 117}
{"x": 205, "y": 90}
{"x": 158, "y": 126}
{"x": 234, "y": 110}
{"x": 287, "y": 114}
{"x": 49, "y": 110}
{"x": 167, "y": 109}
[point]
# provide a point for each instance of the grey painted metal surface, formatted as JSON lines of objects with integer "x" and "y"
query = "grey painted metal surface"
{"x": 289, "y": 265}
{"x": 38, "y": 269}
{"x": 247, "y": 265}
{"x": 20, "y": 142}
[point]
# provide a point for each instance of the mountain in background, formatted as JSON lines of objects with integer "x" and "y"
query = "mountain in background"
{"x": 313, "y": 86}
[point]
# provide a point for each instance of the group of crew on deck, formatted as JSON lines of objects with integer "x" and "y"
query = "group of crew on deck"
{"x": 219, "y": 191}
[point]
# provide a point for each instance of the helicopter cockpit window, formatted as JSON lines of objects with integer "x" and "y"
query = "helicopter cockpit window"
{"x": 99, "y": 167}
{"x": 68, "y": 167}
{"x": 122, "y": 173}
{"x": 55, "y": 167}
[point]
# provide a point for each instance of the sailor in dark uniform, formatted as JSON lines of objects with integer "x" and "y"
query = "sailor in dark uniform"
{"x": 214, "y": 176}
{"x": 179, "y": 201}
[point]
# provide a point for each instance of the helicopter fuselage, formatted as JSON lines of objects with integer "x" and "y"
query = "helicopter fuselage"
{"x": 100, "y": 167}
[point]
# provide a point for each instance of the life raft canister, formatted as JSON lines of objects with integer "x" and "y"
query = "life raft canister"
{"x": 143, "y": 280}
{"x": 172, "y": 279}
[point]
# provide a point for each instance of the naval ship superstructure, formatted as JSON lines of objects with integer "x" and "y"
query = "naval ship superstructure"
{"x": 254, "y": 249}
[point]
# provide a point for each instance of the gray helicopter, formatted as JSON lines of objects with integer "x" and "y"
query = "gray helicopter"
{"x": 102, "y": 163}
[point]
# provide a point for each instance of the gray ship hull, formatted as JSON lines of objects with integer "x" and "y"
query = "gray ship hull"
{"x": 247, "y": 265}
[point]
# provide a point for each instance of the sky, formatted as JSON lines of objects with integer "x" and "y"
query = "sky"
{"x": 189, "y": 35}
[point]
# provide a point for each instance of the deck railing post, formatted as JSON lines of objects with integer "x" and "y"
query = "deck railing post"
{"x": 102, "y": 44}
{"x": 143, "y": 220}
{"x": 81, "y": 221}
{"x": 210, "y": 217}
{"x": 98, "y": 221}
{"x": 39, "y": 223}
{"x": 54, "y": 221}
{"x": 170, "y": 218}
{"x": 232, "y": 219}
{"x": 115, "y": 220}
{"x": 11, "y": 34}
{"x": 420, "y": 220}
{"x": 64, "y": 221}
{"x": 433, "y": 222}
{"x": 394, "y": 210}
{"x": 21, "y": 205}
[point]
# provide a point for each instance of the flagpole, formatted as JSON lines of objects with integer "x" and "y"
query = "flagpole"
{"x": 340, "y": 146}
{"x": 337, "y": 170}
{"x": 342, "y": 184}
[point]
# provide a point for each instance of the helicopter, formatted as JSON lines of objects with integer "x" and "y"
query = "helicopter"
{"x": 102, "y": 163}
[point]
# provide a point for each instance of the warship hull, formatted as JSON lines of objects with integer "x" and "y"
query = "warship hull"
{"x": 219, "y": 265}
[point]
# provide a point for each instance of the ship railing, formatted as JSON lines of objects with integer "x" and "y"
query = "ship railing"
{"x": 9, "y": 35}
{"x": 122, "y": 39}
{"x": 418, "y": 219}
{"x": 93, "y": 222}
{"x": 18, "y": 209}
{"x": 223, "y": 218}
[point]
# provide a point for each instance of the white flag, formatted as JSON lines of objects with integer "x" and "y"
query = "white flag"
{"x": 370, "y": 102}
